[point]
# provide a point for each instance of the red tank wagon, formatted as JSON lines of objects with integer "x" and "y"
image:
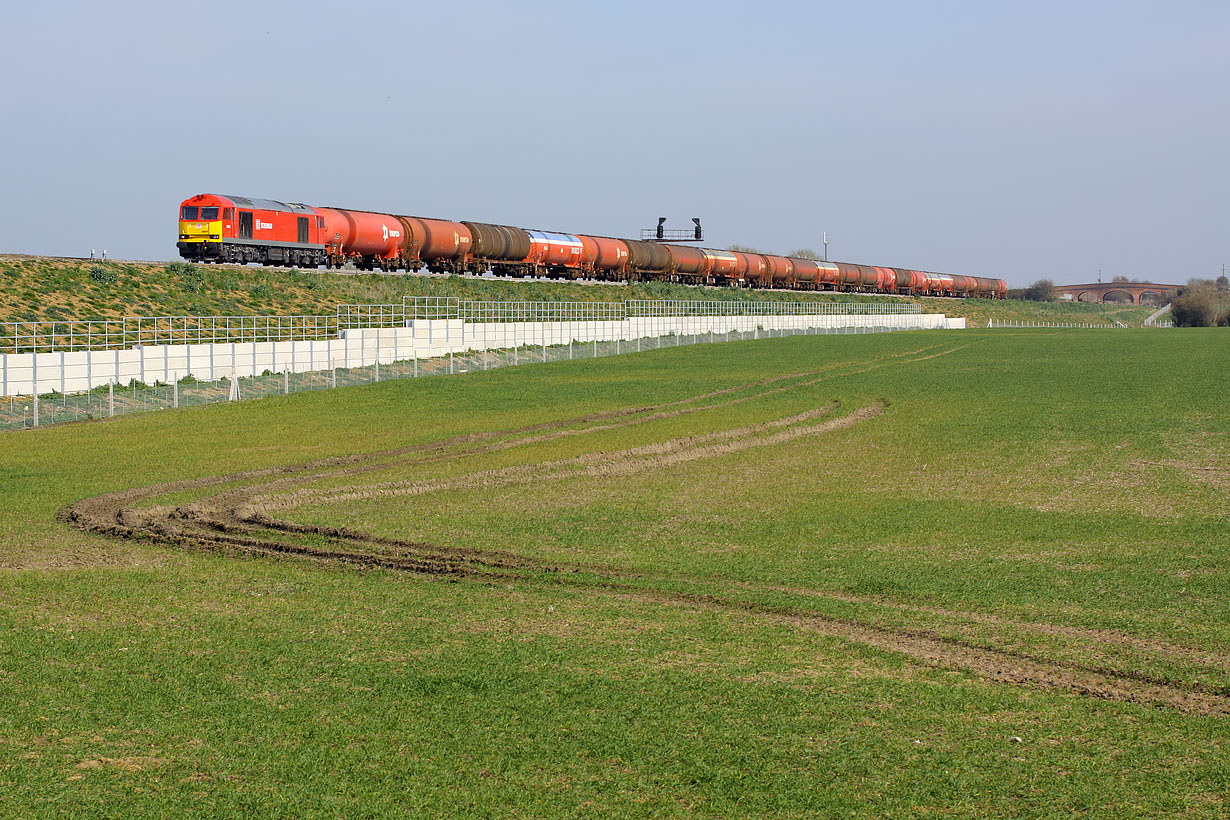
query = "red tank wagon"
{"x": 604, "y": 257}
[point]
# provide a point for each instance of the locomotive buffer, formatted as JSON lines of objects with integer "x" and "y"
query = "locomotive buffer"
{"x": 662, "y": 234}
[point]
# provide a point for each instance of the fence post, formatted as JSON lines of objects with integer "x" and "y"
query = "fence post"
{"x": 334, "y": 384}
{"x": 175, "y": 392}
{"x": 286, "y": 382}
{"x": 111, "y": 398}
{"x": 36, "y": 407}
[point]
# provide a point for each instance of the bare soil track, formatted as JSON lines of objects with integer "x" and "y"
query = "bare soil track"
{"x": 240, "y": 519}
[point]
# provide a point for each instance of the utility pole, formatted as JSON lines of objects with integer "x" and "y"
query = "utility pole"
{"x": 826, "y": 249}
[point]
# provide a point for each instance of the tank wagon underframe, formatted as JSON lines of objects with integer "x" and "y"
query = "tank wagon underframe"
{"x": 217, "y": 228}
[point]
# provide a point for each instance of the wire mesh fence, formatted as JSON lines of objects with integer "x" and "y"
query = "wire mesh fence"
{"x": 431, "y": 307}
{"x": 541, "y": 311}
{"x": 114, "y": 400}
{"x": 74, "y": 335}
{"x": 136, "y": 331}
{"x": 374, "y": 315}
{"x": 1013, "y": 323}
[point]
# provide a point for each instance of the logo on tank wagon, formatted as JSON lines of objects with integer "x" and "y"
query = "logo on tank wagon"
{"x": 388, "y": 233}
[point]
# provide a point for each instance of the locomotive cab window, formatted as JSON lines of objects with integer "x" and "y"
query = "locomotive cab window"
{"x": 209, "y": 213}
{"x": 189, "y": 212}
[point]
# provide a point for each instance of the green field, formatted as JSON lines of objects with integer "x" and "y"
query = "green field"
{"x": 42, "y": 288}
{"x": 930, "y": 574}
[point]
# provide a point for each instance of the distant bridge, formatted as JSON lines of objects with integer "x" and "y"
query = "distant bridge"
{"x": 1135, "y": 291}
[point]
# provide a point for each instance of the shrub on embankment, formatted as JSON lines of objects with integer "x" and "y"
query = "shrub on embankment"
{"x": 1201, "y": 304}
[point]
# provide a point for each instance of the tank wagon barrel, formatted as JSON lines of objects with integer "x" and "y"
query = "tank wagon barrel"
{"x": 214, "y": 228}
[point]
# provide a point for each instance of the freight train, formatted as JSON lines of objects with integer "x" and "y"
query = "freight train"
{"x": 235, "y": 229}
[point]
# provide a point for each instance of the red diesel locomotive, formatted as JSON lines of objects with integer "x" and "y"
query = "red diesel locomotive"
{"x": 216, "y": 228}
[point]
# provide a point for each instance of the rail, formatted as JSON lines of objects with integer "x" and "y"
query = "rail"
{"x": 690, "y": 307}
{"x": 429, "y": 307}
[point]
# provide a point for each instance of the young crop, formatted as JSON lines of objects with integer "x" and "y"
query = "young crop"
{"x": 965, "y": 574}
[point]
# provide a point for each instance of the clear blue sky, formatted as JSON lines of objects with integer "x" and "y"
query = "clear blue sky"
{"x": 1021, "y": 140}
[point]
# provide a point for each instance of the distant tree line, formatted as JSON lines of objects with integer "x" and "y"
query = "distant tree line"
{"x": 801, "y": 253}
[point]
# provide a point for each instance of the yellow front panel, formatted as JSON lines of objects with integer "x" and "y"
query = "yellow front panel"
{"x": 197, "y": 231}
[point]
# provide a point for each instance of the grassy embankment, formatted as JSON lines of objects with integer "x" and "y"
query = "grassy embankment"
{"x": 703, "y": 636}
{"x": 34, "y": 288}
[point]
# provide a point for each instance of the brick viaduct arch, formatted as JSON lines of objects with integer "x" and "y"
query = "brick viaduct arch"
{"x": 1135, "y": 291}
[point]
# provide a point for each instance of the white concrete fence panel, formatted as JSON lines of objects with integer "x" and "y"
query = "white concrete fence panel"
{"x": 80, "y": 370}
